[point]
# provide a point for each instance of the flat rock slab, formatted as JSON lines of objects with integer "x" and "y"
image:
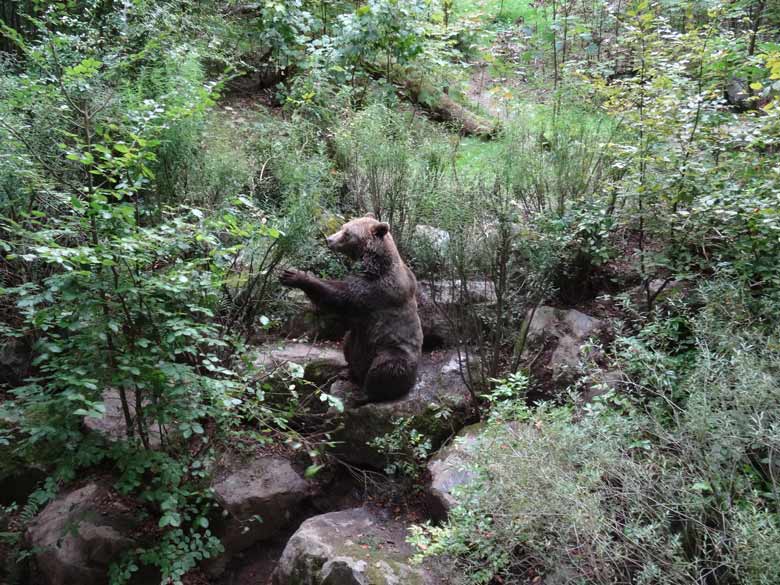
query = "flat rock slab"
{"x": 352, "y": 547}
{"x": 79, "y": 534}
{"x": 300, "y": 353}
{"x": 439, "y": 386}
{"x": 260, "y": 496}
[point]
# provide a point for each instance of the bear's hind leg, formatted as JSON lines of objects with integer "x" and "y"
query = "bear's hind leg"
{"x": 389, "y": 378}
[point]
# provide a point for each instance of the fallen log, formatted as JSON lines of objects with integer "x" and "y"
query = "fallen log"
{"x": 438, "y": 104}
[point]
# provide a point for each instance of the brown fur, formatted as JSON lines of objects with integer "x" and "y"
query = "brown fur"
{"x": 383, "y": 345}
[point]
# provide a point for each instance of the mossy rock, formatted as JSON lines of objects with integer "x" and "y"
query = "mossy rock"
{"x": 360, "y": 546}
{"x": 439, "y": 387}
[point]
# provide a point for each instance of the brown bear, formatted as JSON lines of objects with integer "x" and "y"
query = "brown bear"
{"x": 383, "y": 345}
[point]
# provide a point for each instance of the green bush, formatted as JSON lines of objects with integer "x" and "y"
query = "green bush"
{"x": 663, "y": 487}
{"x": 394, "y": 165}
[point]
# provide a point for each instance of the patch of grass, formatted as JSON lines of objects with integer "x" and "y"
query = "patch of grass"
{"x": 478, "y": 157}
{"x": 496, "y": 10}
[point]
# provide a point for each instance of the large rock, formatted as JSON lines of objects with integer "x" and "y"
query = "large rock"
{"x": 446, "y": 292}
{"x": 437, "y": 325}
{"x": 439, "y": 386}
{"x": 319, "y": 365}
{"x": 351, "y": 547}
{"x": 77, "y": 536}
{"x": 436, "y": 239}
{"x": 601, "y": 382}
{"x": 448, "y": 470}
{"x": 443, "y": 307}
{"x": 15, "y": 358}
{"x": 18, "y": 480}
{"x": 260, "y": 497}
{"x": 439, "y": 305}
{"x": 301, "y": 353}
{"x": 306, "y": 321}
{"x": 112, "y": 424}
{"x": 557, "y": 337}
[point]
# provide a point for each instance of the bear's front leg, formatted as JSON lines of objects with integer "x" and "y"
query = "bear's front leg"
{"x": 293, "y": 277}
{"x": 334, "y": 295}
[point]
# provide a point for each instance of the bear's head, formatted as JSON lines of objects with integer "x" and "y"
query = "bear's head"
{"x": 359, "y": 236}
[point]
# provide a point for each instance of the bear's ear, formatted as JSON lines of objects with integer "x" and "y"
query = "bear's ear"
{"x": 381, "y": 229}
{"x": 370, "y": 215}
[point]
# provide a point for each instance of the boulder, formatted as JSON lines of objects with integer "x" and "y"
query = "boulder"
{"x": 319, "y": 365}
{"x": 310, "y": 323}
{"x": 112, "y": 424}
{"x": 555, "y": 340}
{"x": 446, "y": 292}
{"x": 77, "y": 536}
{"x": 435, "y": 238}
{"x": 660, "y": 290}
{"x": 439, "y": 386}
{"x": 15, "y": 358}
{"x": 352, "y": 547}
{"x": 260, "y": 496}
{"x": 300, "y": 353}
{"x": 437, "y": 328}
{"x": 18, "y": 480}
{"x": 601, "y": 382}
{"x": 440, "y": 305}
{"x": 447, "y": 470}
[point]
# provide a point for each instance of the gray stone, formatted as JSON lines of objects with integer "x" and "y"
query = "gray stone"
{"x": 18, "y": 480}
{"x": 260, "y": 497}
{"x": 660, "y": 289}
{"x": 300, "y": 353}
{"x": 445, "y": 292}
{"x": 78, "y": 535}
{"x": 437, "y": 328}
{"x": 438, "y": 239}
{"x": 351, "y": 547}
{"x": 438, "y": 304}
{"x": 112, "y": 424}
{"x": 447, "y": 469}
{"x": 601, "y": 382}
{"x": 439, "y": 385}
{"x": 557, "y": 336}
{"x": 309, "y": 323}
{"x": 15, "y": 358}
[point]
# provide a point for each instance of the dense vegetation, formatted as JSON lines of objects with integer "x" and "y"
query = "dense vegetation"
{"x": 160, "y": 161}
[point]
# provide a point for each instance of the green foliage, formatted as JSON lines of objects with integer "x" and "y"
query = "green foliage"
{"x": 122, "y": 286}
{"x": 658, "y": 488}
{"x": 394, "y": 167}
{"x": 406, "y": 451}
{"x": 141, "y": 232}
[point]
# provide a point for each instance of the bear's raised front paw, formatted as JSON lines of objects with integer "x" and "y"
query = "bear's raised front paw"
{"x": 292, "y": 277}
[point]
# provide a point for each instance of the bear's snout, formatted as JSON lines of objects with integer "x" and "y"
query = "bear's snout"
{"x": 333, "y": 240}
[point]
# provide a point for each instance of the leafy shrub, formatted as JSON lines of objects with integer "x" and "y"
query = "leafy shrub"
{"x": 119, "y": 288}
{"x": 406, "y": 450}
{"x": 394, "y": 166}
{"x": 666, "y": 487}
